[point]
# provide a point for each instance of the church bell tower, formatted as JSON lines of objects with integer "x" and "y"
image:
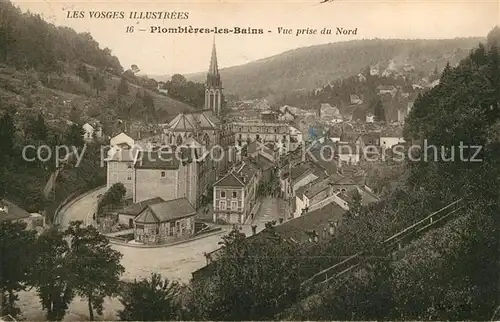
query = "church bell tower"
{"x": 213, "y": 86}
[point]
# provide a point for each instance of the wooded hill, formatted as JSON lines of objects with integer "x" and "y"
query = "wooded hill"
{"x": 314, "y": 66}
{"x": 52, "y": 77}
{"x": 66, "y": 74}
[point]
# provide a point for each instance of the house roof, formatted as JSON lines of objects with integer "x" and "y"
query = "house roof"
{"x": 125, "y": 155}
{"x": 349, "y": 136}
{"x": 391, "y": 132}
{"x": 296, "y": 229}
{"x": 157, "y": 160}
{"x": 136, "y": 208}
{"x": 229, "y": 180}
{"x": 247, "y": 169}
{"x": 299, "y": 170}
{"x": 13, "y": 212}
{"x": 121, "y": 138}
{"x": 262, "y": 162}
{"x": 166, "y": 211}
{"x": 370, "y": 138}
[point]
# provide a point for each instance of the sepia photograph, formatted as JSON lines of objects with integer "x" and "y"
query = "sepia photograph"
{"x": 286, "y": 160}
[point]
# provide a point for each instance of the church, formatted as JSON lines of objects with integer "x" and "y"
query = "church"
{"x": 146, "y": 175}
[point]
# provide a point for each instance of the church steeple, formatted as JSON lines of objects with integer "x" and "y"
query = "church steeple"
{"x": 213, "y": 76}
{"x": 213, "y": 86}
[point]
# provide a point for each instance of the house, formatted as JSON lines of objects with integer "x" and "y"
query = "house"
{"x": 374, "y": 70}
{"x": 120, "y": 168}
{"x": 361, "y": 78}
{"x": 165, "y": 174}
{"x": 333, "y": 189}
{"x": 120, "y": 141}
{"x": 369, "y": 139}
{"x": 370, "y": 118}
{"x": 205, "y": 168}
{"x": 296, "y": 138}
{"x": 165, "y": 221}
{"x": 328, "y": 112}
{"x": 234, "y": 194}
{"x": 355, "y": 99}
{"x": 348, "y": 153}
{"x": 390, "y": 138}
{"x": 322, "y": 155}
{"x": 12, "y": 213}
{"x": 161, "y": 88}
{"x": 268, "y": 150}
{"x": 286, "y": 115}
{"x": 250, "y": 131}
{"x": 387, "y": 89}
{"x": 92, "y": 130}
{"x": 127, "y": 215}
{"x": 269, "y": 116}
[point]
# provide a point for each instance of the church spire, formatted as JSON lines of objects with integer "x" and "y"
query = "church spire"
{"x": 213, "y": 76}
{"x": 214, "y": 97}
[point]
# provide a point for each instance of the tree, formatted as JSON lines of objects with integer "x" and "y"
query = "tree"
{"x": 74, "y": 136}
{"x": 178, "y": 79}
{"x": 355, "y": 205}
{"x": 95, "y": 265}
{"x": 7, "y": 135}
{"x": 113, "y": 196}
{"x": 37, "y": 129}
{"x": 82, "y": 72}
{"x": 150, "y": 300}
{"x": 51, "y": 274}
{"x": 123, "y": 87}
{"x": 98, "y": 83}
{"x": 379, "y": 111}
{"x": 134, "y": 69}
{"x": 251, "y": 280}
{"x": 16, "y": 249}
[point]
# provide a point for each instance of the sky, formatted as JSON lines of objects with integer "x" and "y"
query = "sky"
{"x": 166, "y": 54}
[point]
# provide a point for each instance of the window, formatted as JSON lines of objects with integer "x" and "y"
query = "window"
{"x": 275, "y": 130}
{"x": 235, "y": 194}
{"x": 129, "y": 166}
{"x": 223, "y": 194}
{"x": 129, "y": 177}
{"x": 163, "y": 174}
{"x": 234, "y": 205}
{"x": 222, "y": 205}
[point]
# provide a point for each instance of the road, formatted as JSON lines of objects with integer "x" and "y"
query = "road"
{"x": 175, "y": 262}
{"x": 82, "y": 209}
{"x": 270, "y": 209}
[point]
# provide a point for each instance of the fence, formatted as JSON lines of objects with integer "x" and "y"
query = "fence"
{"x": 389, "y": 246}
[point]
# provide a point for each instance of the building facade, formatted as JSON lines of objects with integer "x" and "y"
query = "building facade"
{"x": 235, "y": 195}
{"x": 165, "y": 221}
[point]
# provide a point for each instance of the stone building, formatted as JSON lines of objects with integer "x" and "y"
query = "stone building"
{"x": 165, "y": 221}
{"x": 235, "y": 194}
{"x": 164, "y": 174}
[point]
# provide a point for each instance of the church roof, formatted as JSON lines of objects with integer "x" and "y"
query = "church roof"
{"x": 192, "y": 121}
